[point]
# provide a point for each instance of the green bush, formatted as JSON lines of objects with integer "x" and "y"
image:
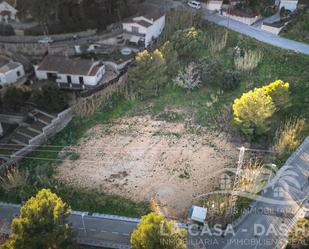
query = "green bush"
{"x": 210, "y": 71}
{"x": 15, "y": 97}
{"x": 50, "y": 98}
{"x": 231, "y": 80}
{"x": 171, "y": 58}
{"x": 188, "y": 42}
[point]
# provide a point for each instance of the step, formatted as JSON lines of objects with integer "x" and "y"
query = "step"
{"x": 20, "y": 139}
{"x": 37, "y": 126}
{"x": 43, "y": 118}
{"x": 27, "y": 132}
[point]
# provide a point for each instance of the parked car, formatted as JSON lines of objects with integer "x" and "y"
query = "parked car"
{"x": 195, "y": 4}
{"x": 45, "y": 40}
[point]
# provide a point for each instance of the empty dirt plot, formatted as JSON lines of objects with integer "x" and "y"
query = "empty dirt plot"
{"x": 141, "y": 158}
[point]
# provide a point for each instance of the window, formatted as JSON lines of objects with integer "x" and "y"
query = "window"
{"x": 135, "y": 29}
{"x": 18, "y": 73}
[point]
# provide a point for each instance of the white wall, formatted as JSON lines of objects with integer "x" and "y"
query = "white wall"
{"x": 289, "y": 4}
{"x": 246, "y": 20}
{"x": 11, "y": 76}
{"x": 155, "y": 30}
{"x": 273, "y": 30}
{"x": 150, "y": 32}
{"x": 128, "y": 27}
{"x": 213, "y": 5}
{"x": 62, "y": 78}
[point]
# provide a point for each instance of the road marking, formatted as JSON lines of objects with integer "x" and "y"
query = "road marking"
{"x": 103, "y": 231}
{"x": 126, "y": 234}
{"x": 115, "y": 232}
{"x": 80, "y": 228}
{"x": 93, "y": 230}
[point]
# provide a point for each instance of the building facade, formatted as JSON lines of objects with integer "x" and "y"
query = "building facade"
{"x": 144, "y": 29}
{"x": 11, "y": 72}
{"x": 70, "y": 71}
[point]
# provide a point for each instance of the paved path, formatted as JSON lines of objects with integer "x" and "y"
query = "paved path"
{"x": 96, "y": 230}
{"x": 257, "y": 33}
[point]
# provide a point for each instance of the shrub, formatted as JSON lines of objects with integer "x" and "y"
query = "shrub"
{"x": 299, "y": 236}
{"x": 189, "y": 78}
{"x": 231, "y": 80}
{"x": 217, "y": 42}
{"x": 15, "y": 96}
{"x": 171, "y": 58}
{"x": 187, "y": 42}
{"x": 13, "y": 179}
{"x": 248, "y": 61}
{"x": 149, "y": 74}
{"x": 252, "y": 112}
{"x": 210, "y": 71}
{"x": 50, "y": 98}
{"x": 279, "y": 92}
{"x": 287, "y": 137}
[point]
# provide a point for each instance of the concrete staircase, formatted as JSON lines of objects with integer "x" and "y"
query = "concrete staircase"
{"x": 26, "y": 131}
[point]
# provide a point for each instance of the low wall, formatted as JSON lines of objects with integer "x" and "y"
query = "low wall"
{"x": 213, "y": 5}
{"x": 116, "y": 66}
{"x": 246, "y": 20}
{"x": 34, "y": 39}
{"x": 271, "y": 29}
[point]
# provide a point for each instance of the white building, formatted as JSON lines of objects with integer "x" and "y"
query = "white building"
{"x": 143, "y": 29}
{"x": 289, "y": 4}
{"x": 70, "y": 71}
{"x": 10, "y": 72}
{"x": 7, "y": 12}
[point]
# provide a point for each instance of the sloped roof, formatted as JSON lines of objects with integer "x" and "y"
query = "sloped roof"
{"x": 64, "y": 65}
{"x": 8, "y": 67}
{"x": 154, "y": 15}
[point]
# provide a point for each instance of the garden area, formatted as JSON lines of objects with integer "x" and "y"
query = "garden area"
{"x": 201, "y": 83}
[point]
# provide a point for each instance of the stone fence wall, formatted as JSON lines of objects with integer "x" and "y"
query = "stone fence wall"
{"x": 34, "y": 39}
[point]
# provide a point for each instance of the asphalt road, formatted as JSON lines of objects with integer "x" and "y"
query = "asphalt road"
{"x": 257, "y": 33}
{"x": 96, "y": 230}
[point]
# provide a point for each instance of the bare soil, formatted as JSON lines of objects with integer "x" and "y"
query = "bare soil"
{"x": 141, "y": 158}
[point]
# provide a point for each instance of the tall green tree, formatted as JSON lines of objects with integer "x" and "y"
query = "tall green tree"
{"x": 149, "y": 75}
{"x": 156, "y": 232}
{"x": 188, "y": 42}
{"x": 171, "y": 58}
{"x": 252, "y": 112}
{"x": 41, "y": 224}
